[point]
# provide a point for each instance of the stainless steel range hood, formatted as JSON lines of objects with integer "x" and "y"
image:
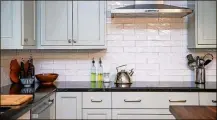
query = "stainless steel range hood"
{"x": 151, "y": 10}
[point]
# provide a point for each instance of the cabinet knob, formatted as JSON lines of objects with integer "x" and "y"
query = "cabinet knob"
{"x": 69, "y": 41}
{"x": 74, "y": 41}
{"x": 25, "y": 39}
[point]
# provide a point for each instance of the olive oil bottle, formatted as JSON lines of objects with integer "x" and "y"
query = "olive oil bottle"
{"x": 100, "y": 71}
{"x": 93, "y": 71}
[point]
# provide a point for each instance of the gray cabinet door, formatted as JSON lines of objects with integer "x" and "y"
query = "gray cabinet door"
{"x": 206, "y": 22}
{"x": 68, "y": 105}
{"x": 88, "y": 23}
{"x": 28, "y": 23}
{"x": 11, "y": 25}
{"x": 55, "y": 23}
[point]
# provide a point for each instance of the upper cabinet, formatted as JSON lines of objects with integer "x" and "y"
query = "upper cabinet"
{"x": 17, "y": 24}
{"x": 71, "y": 24}
{"x": 89, "y": 23}
{"x": 202, "y": 24}
{"x": 55, "y": 23}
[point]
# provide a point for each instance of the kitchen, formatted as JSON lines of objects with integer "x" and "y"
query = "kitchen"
{"x": 63, "y": 38}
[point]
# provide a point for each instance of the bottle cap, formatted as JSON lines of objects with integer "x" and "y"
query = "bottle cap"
{"x": 93, "y": 61}
{"x": 100, "y": 61}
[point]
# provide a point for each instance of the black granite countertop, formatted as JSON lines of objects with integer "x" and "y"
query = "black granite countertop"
{"x": 42, "y": 92}
{"x": 39, "y": 93}
{"x": 86, "y": 86}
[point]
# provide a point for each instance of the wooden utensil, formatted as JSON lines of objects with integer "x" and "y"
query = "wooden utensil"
{"x": 13, "y": 100}
{"x": 47, "y": 78}
{"x": 14, "y": 65}
{"x": 14, "y": 71}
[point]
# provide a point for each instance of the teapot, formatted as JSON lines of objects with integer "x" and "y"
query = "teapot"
{"x": 123, "y": 76}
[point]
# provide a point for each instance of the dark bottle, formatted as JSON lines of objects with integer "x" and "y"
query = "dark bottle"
{"x": 22, "y": 70}
{"x": 29, "y": 71}
{"x": 32, "y": 67}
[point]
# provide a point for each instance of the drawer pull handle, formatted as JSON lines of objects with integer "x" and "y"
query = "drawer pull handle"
{"x": 214, "y": 101}
{"x": 96, "y": 100}
{"x": 177, "y": 100}
{"x": 132, "y": 100}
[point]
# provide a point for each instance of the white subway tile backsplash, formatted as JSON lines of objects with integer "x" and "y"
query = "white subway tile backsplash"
{"x": 176, "y": 72}
{"x": 121, "y": 43}
{"x": 114, "y": 50}
{"x": 61, "y": 78}
{"x": 211, "y": 78}
{"x": 145, "y": 20}
{"x": 46, "y": 71}
{"x": 171, "y": 78}
{"x": 47, "y": 66}
{"x": 147, "y": 78}
{"x": 174, "y": 66}
{"x": 211, "y": 72}
{"x": 130, "y": 49}
{"x": 62, "y": 61}
{"x": 159, "y": 37}
{"x": 142, "y": 43}
{"x": 59, "y": 66}
{"x": 155, "y": 47}
{"x": 77, "y": 78}
{"x": 114, "y": 37}
{"x": 188, "y": 78}
{"x": 142, "y": 66}
{"x": 83, "y": 72}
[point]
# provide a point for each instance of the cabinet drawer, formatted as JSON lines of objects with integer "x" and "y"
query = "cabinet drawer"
{"x": 152, "y": 99}
{"x": 207, "y": 99}
{"x": 140, "y": 100}
{"x": 141, "y": 114}
{"x": 183, "y": 98}
{"x": 97, "y": 100}
{"x": 94, "y": 114}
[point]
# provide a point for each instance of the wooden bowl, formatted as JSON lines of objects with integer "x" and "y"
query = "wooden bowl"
{"x": 46, "y": 78}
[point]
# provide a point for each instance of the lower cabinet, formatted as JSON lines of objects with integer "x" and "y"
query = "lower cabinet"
{"x": 207, "y": 99}
{"x": 126, "y": 105}
{"x": 68, "y": 105}
{"x": 97, "y": 114}
{"x": 53, "y": 107}
{"x": 141, "y": 114}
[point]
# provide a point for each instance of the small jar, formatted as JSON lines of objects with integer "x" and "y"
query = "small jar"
{"x": 106, "y": 77}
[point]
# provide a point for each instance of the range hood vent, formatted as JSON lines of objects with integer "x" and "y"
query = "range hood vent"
{"x": 151, "y": 10}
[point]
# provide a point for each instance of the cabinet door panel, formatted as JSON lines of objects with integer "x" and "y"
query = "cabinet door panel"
{"x": 11, "y": 24}
{"x": 89, "y": 22}
{"x": 208, "y": 99}
{"x": 68, "y": 105}
{"x": 97, "y": 114}
{"x": 56, "y": 22}
{"x": 6, "y": 19}
{"x": 28, "y": 23}
{"x": 206, "y": 22}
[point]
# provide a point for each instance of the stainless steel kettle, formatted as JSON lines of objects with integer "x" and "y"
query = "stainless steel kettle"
{"x": 123, "y": 76}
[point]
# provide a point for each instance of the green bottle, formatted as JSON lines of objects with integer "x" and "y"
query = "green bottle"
{"x": 100, "y": 71}
{"x": 93, "y": 71}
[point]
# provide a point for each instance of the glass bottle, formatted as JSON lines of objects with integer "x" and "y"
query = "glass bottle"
{"x": 93, "y": 71}
{"x": 32, "y": 67}
{"x": 29, "y": 71}
{"x": 100, "y": 71}
{"x": 22, "y": 69}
